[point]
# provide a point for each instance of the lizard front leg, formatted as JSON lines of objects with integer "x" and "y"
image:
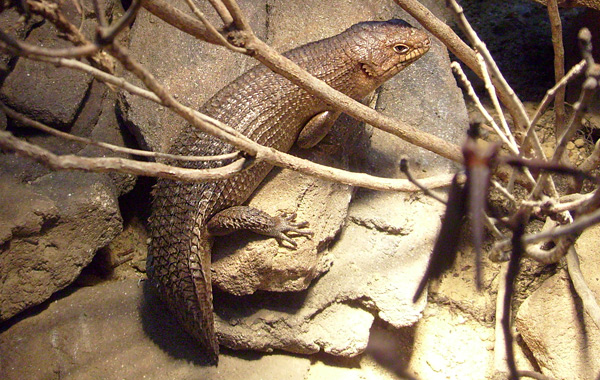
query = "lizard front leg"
{"x": 252, "y": 219}
{"x": 316, "y": 128}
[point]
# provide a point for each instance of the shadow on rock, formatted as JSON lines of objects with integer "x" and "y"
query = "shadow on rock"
{"x": 164, "y": 330}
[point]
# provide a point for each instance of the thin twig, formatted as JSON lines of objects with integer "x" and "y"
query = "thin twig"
{"x": 27, "y": 50}
{"x": 239, "y": 20}
{"x": 473, "y": 95}
{"x": 114, "y": 148}
{"x": 467, "y": 55}
{"x": 581, "y": 223}
{"x": 551, "y": 93}
{"x": 404, "y": 169}
{"x": 503, "y": 191}
{"x": 589, "y": 87}
{"x": 492, "y": 93}
{"x": 222, "y": 11}
{"x": 52, "y": 13}
{"x": 212, "y": 30}
{"x": 559, "y": 64}
{"x": 592, "y": 161}
{"x": 180, "y": 20}
{"x": 510, "y": 100}
{"x": 114, "y": 164}
{"x": 106, "y": 34}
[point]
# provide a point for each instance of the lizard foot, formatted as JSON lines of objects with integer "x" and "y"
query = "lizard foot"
{"x": 285, "y": 223}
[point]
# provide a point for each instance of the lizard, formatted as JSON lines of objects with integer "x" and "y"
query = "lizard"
{"x": 274, "y": 112}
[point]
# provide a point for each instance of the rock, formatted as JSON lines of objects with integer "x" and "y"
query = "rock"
{"x": 49, "y": 234}
{"x": 191, "y": 69}
{"x": 107, "y": 128}
{"x": 563, "y": 339}
{"x": 49, "y": 231}
{"x": 110, "y": 331}
{"x": 374, "y": 274}
{"x": 242, "y": 267}
{"x": 11, "y": 22}
{"x": 51, "y": 95}
{"x": 579, "y": 143}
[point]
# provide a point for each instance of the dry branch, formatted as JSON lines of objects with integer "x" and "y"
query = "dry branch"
{"x": 467, "y": 55}
{"x": 112, "y": 164}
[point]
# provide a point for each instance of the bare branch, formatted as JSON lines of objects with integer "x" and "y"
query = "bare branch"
{"x": 107, "y": 34}
{"x": 180, "y": 20}
{"x": 52, "y": 13}
{"x": 510, "y": 100}
{"x": 471, "y": 92}
{"x": 118, "y": 149}
{"x": 559, "y": 64}
{"x": 112, "y": 164}
{"x": 551, "y": 93}
{"x": 212, "y": 30}
{"x": 467, "y": 55}
{"x": 404, "y": 169}
{"x": 239, "y": 20}
{"x": 222, "y": 11}
{"x": 27, "y": 50}
{"x": 492, "y": 92}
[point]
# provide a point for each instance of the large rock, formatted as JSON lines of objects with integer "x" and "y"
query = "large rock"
{"x": 376, "y": 265}
{"x": 562, "y": 337}
{"x": 49, "y": 231}
{"x": 109, "y": 332}
{"x": 52, "y": 223}
{"x": 67, "y": 216}
{"x": 49, "y": 94}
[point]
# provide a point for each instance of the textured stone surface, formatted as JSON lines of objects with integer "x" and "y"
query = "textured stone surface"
{"x": 43, "y": 92}
{"x": 563, "y": 339}
{"x": 49, "y": 231}
{"x": 377, "y": 263}
{"x": 110, "y": 331}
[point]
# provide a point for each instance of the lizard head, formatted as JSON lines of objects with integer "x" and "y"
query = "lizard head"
{"x": 383, "y": 48}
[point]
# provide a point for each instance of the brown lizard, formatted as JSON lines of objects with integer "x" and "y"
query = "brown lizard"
{"x": 274, "y": 112}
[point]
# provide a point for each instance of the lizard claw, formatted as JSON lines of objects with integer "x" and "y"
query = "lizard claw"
{"x": 286, "y": 224}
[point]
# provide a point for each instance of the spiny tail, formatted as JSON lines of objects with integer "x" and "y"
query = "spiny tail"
{"x": 179, "y": 262}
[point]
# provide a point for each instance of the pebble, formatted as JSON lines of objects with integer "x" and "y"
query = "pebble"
{"x": 570, "y": 145}
{"x": 579, "y": 143}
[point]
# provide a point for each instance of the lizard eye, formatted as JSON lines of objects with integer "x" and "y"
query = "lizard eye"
{"x": 401, "y": 49}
